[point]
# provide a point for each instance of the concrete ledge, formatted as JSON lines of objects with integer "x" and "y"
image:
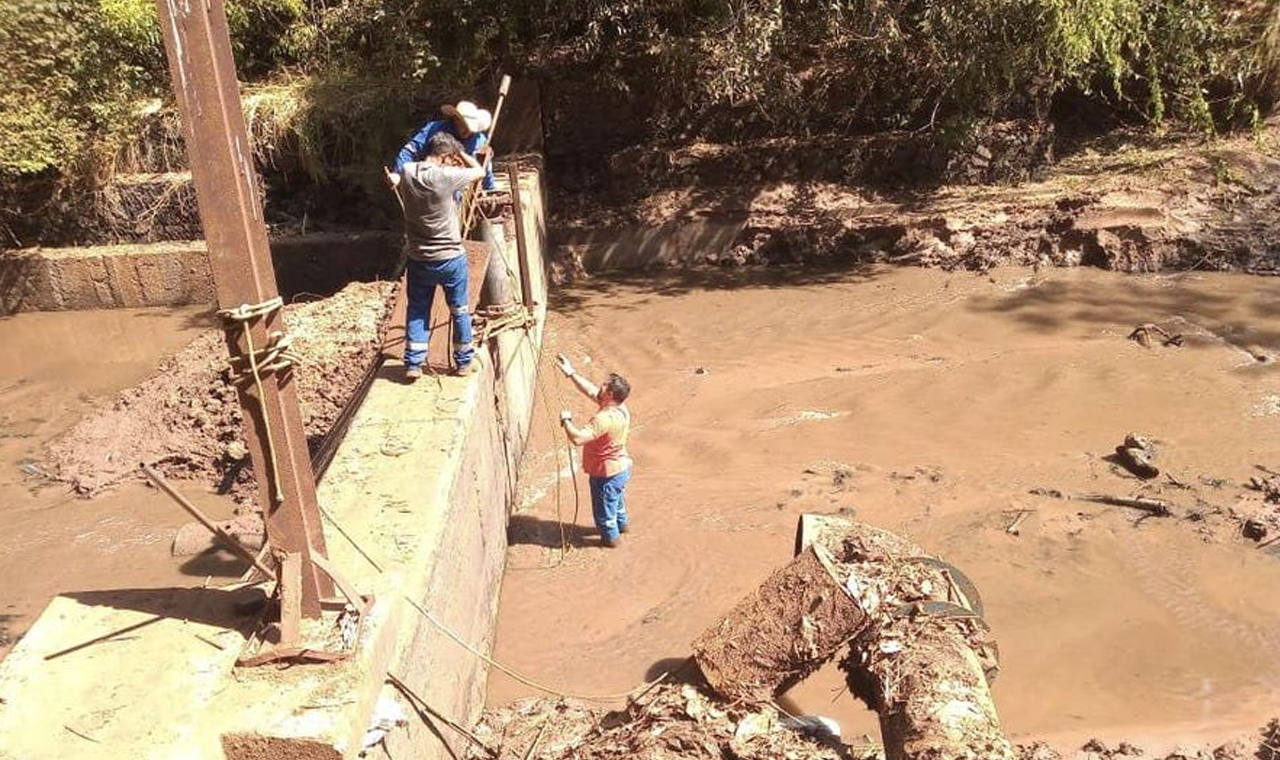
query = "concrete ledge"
{"x": 105, "y": 277}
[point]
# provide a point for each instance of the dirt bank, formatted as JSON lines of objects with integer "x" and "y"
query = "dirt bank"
{"x": 185, "y": 419}
{"x": 1131, "y": 203}
{"x": 932, "y": 404}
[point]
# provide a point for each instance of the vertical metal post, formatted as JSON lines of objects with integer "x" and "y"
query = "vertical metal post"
{"x": 204, "y": 80}
{"x": 522, "y": 243}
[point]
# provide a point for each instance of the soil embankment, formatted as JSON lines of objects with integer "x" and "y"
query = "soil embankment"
{"x": 185, "y": 419}
{"x": 940, "y": 406}
{"x": 1130, "y": 203}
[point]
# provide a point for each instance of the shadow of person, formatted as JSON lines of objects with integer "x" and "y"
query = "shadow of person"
{"x": 529, "y": 530}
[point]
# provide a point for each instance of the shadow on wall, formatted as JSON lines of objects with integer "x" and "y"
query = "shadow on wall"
{"x": 585, "y": 295}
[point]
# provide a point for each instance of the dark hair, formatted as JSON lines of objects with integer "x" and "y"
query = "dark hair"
{"x": 443, "y": 144}
{"x": 617, "y": 386}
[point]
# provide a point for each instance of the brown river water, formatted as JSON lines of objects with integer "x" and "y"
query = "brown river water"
{"x": 53, "y": 368}
{"x": 940, "y": 400}
{"x": 930, "y": 403}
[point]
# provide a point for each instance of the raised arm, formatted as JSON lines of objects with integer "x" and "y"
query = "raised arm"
{"x": 585, "y": 386}
{"x": 413, "y": 149}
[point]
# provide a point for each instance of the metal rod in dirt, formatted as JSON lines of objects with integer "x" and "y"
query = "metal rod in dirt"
{"x": 226, "y": 539}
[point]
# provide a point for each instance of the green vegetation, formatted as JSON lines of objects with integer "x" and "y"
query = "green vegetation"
{"x": 331, "y": 80}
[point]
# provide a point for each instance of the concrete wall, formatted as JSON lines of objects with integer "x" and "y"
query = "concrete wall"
{"x": 462, "y": 590}
{"x": 177, "y": 273}
{"x": 681, "y": 242}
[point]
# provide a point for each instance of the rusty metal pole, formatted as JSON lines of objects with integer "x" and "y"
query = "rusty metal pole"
{"x": 204, "y": 80}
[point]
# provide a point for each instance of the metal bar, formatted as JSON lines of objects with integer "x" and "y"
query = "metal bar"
{"x": 204, "y": 80}
{"x": 522, "y": 242}
{"x": 472, "y": 195}
{"x": 229, "y": 541}
{"x": 290, "y": 599}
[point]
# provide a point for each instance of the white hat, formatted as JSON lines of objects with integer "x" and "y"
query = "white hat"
{"x": 476, "y": 118}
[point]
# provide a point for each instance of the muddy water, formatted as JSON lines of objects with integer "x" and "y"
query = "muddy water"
{"x": 54, "y": 367}
{"x": 931, "y": 403}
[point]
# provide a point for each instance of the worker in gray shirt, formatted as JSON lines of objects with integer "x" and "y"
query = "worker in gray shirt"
{"x": 430, "y": 189}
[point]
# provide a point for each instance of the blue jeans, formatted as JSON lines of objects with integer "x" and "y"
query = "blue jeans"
{"x": 609, "y": 503}
{"x": 423, "y": 277}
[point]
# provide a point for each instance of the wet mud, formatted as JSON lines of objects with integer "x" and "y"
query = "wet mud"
{"x": 945, "y": 407}
{"x": 186, "y": 420}
{"x": 54, "y": 367}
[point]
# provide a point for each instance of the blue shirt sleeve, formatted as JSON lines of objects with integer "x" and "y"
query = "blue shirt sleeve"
{"x": 481, "y": 140}
{"x": 413, "y": 150}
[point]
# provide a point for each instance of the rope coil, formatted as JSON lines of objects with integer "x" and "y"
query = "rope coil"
{"x": 242, "y": 315}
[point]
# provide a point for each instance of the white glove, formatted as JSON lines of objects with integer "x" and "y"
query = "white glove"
{"x": 565, "y": 366}
{"x": 565, "y": 416}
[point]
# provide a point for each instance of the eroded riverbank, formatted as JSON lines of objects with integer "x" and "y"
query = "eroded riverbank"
{"x": 933, "y": 404}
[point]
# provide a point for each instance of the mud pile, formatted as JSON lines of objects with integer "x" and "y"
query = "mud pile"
{"x": 672, "y": 721}
{"x": 185, "y": 420}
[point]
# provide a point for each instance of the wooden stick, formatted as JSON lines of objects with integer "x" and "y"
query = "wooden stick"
{"x": 410, "y": 693}
{"x": 1151, "y": 506}
{"x": 1015, "y": 527}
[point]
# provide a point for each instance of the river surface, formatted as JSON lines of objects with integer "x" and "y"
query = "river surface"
{"x": 941, "y": 400}
{"x": 53, "y": 368}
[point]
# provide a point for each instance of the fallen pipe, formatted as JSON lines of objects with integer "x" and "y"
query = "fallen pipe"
{"x": 917, "y": 649}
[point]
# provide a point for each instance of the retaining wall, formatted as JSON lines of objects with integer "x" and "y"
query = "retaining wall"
{"x": 177, "y": 273}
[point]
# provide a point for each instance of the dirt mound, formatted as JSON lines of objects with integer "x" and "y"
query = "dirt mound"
{"x": 672, "y": 721}
{"x": 185, "y": 420}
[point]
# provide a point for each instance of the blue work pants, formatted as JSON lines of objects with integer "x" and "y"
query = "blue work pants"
{"x": 609, "y": 503}
{"x": 422, "y": 278}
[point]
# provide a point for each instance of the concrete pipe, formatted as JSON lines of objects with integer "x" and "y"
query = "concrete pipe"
{"x": 497, "y": 291}
{"x": 919, "y": 652}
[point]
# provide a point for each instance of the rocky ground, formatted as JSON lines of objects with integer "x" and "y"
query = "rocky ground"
{"x": 185, "y": 420}
{"x": 687, "y": 722}
{"x": 1128, "y": 202}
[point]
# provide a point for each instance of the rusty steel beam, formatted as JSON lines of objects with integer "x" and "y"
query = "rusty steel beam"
{"x": 204, "y": 80}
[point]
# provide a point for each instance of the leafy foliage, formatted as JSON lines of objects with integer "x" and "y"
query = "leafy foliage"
{"x": 74, "y": 69}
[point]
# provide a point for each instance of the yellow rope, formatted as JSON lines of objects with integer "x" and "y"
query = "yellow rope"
{"x": 242, "y": 315}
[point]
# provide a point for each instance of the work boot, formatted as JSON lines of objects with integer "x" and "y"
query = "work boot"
{"x": 612, "y": 543}
{"x": 412, "y": 373}
{"x": 624, "y": 528}
{"x": 470, "y": 368}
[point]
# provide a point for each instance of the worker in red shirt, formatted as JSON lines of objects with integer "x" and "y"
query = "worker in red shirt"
{"x": 604, "y": 450}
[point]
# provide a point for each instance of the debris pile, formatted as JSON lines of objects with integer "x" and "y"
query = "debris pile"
{"x": 672, "y": 721}
{"x": 185, "y": 420}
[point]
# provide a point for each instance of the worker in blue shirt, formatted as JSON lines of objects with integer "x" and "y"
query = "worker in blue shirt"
{"x": 465, "y": 121}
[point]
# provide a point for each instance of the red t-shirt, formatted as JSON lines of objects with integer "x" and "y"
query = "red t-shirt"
{"x": 605, "y": 455}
